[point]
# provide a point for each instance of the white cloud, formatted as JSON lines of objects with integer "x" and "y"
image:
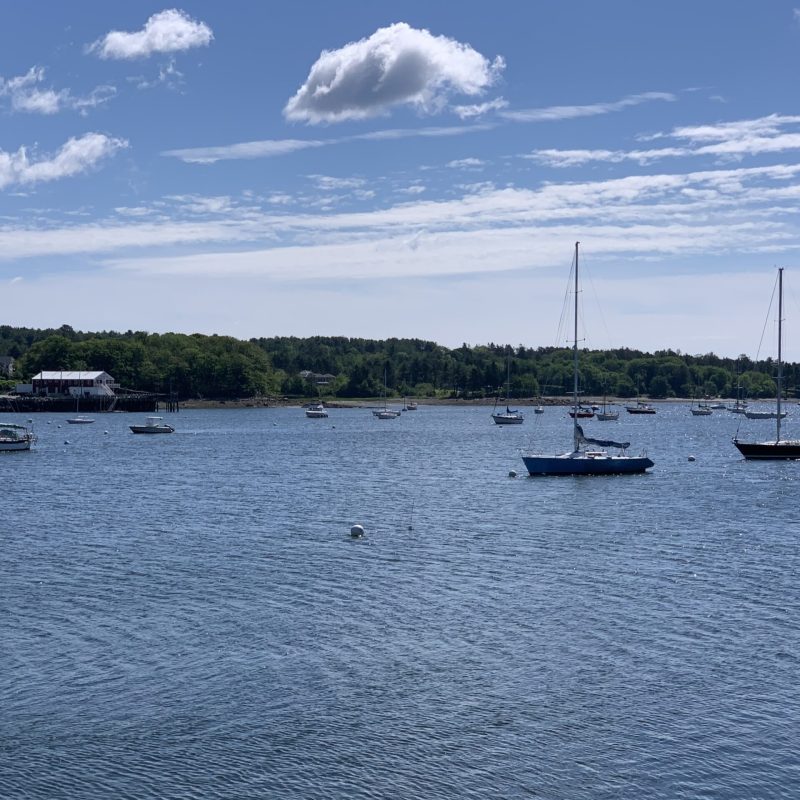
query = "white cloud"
{"x": 168, "y": 31}
{"x": 261, "y": 149}
{"x": 724, "y": 141}
{"x": 554, "y": 113}
{"x": 479, "y": 109}
{"x": 269, "y": 148}
{"x": 328, "y": 183}
{"x": 397, "y": 65}
{"x": 26, "y": 96}
{"x": 76, "y": 156}
{"x": 466, "y": 163}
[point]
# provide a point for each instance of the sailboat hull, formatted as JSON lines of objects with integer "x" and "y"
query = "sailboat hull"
{"x": 586, "y": 463}
{"x": 508, "y": 419}
{"x": 764, "y": 451}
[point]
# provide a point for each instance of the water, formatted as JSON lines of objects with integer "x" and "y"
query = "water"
{"x": 186, "y": 616}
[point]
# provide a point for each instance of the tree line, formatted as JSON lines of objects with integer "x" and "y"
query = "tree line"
{"x": 222, "y": 367}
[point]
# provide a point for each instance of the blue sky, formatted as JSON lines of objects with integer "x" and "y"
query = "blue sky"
{"x": 402, "y": 169}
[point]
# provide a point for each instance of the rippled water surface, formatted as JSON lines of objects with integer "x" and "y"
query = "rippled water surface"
{"x": 186, "y": 616}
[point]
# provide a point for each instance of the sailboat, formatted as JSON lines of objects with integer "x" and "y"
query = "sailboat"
{"x": 385, "y": 412}
{"x": 701, "y": 409}
{"x": 507, "y": 417}
{"x": 604, "y": 415}
{"x": 780, "y": 448}
{"x": 588, "y": 456}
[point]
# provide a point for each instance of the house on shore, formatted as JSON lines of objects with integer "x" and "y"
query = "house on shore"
{"x": 69, "y": 383}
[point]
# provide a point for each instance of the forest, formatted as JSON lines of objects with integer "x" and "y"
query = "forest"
{"x": 198, "y": 366}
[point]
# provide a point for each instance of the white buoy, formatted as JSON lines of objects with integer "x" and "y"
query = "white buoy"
{"x": 357, "y": 531}
{"x": 692, "y": 458}
{"x": 512, "y": 474}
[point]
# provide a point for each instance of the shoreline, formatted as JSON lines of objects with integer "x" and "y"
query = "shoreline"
{"x": 278, "y": 402}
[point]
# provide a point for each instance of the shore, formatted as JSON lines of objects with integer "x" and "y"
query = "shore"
{"x": 295, "y": 402}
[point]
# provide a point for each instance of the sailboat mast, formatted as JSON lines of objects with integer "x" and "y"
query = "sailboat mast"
{"x": 780, "y": 362}
{"x": 575, "y": 359}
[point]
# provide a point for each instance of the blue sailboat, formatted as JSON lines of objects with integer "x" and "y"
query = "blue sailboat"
{"x": 588, "y": 456}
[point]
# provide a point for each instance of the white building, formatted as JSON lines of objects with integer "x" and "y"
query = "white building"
{"x": 73, "y": 383}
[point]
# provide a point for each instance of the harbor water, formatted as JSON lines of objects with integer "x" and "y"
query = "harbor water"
{"x": 187, "y": 615}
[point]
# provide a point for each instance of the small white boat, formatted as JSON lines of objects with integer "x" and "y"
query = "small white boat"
{"x": 153, "y": 425}
{"x": 316, "y": 412}
{"x": 386, "y": 413}
{"x": 80, "y": 421}
{"x": 15, "y": 437}
{"x": 538, "y": 410}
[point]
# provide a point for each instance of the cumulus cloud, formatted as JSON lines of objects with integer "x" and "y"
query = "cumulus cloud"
{"x": 169, "y": 31}
{"x": 398, "y": 65}
{"x": 27, "y": 96}
{"x": 74, "y": 157}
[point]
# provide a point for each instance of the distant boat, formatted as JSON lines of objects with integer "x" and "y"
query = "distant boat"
{"x": 784, "y": 449}
{"x": 385, "y": 412}
{"x": 153, "y": 425}
{"x": 15, "y": 437}
{"x": 715, "y": 406}
{"x": 507, "y": 417}
{"x": 604, "y": 415}
{"x": 80, "y": 421}
{"x": 589, "y": 456}
{"x": 701, "y": 410}
{"x": 755, "y": 414}
{"x": 582, "y": 412}
{"x": 410, "y": 405}
{"x": 640, "y": 408}
{"x": 316, "y": 412}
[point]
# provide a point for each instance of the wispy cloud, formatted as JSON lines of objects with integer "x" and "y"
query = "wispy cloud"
{"x": 480, "y": 109}
{"x": 466, "y": 163}
{"x": 262, "y": 149}
{"x": 722, "y": 141}
{"x": 728, "y": 210}
{"x": 27, "y": 96}
{"x": 167, "y": 31}
{"x": 76, "y": 156}
{"x": 269, "y": 148}
{"x": 328, "y": 183}
{"x": 555, "y": 113}
{"x": 397, "y": 65}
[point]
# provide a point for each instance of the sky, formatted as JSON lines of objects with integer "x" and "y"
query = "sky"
{"x": 407, "y": 169}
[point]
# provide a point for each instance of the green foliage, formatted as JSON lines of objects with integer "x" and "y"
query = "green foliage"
{"x": 220, "y": 367}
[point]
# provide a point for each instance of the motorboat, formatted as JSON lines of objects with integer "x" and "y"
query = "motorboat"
{"x": 80, "y": 421}
{"x": 153, "y": 425}
{"x": 15, "y": 437}
{"x": 640, "y": 408}
{"x": 316, "y": 412}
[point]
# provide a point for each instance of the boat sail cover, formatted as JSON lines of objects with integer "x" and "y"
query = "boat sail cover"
{"x": 601, "y": 442}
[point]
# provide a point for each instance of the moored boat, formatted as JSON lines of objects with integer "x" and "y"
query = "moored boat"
{"x": 780, "y": 449}
{"x": 15, "y": 437}
{"x": 153, "y": 425}
{"x": 589, "y": 456}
